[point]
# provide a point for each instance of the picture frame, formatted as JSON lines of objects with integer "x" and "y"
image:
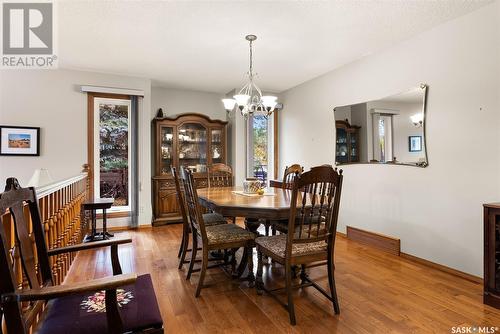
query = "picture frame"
{"x": 19, "y": 140}
{"x": 415, "y": 143}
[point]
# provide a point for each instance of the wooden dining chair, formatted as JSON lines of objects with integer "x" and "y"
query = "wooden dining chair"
{"x": 315, "y": 193}
{"x": 209, "y": 219}
{"x": 221, "y": 175}
{"x": 74, "y": 308}
{"x": 215, "y": 237}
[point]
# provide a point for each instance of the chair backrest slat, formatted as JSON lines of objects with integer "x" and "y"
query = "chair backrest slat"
{"x": 290, "y": 174}
{"x": 314, "y": 206}
{"x": 181, "y": 197}
{"x": 193, "y": 208}
{"x": 220, "y": 175}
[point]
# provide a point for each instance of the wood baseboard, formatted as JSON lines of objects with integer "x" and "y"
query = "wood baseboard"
{"x": 383, "y": 242}
{"x": 455, "y": 272}
{"x": 126, "y": 228}
{"x": 393, "y": 246}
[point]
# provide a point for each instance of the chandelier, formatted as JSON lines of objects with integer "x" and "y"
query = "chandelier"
{"x": 249, "y": 99}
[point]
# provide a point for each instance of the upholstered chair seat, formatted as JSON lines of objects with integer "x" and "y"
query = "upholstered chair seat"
{"x": 86, "y": 313}
{"x": 276, "y": 244}
{"x": 217, "y": 234}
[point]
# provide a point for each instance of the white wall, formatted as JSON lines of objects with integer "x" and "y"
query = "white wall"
{"x": 178, "y": 101}
{"x": 51, "y": 99}
{"x": 436, "y": 211}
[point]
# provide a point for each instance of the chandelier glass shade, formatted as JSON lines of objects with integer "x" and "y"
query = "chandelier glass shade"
{"x": 417, "y": 120}
{"x": 249, "y": 99}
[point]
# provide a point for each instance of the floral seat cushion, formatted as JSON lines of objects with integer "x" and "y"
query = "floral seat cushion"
{"x": 86, "y": 313}
{"x": 213, "y": 219}
{"x": 219, "y": 234}
{"x": 276, "y": 244}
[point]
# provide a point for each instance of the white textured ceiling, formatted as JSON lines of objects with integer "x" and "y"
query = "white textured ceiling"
{"x": 200, "y": 44}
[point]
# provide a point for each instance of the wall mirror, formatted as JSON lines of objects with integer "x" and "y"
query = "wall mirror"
{"x": 385, "y": 131}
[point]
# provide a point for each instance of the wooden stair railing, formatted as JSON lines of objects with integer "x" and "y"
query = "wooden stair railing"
{"x": 64, "y": 225}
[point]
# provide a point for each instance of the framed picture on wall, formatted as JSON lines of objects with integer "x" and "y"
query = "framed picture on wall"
{"x": 19, "y": 140}
{"x": 415, "y": 143}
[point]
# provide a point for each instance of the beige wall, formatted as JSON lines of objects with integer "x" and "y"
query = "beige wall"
{"x": 51, "y": 99}
{"x": 436, "y": 211}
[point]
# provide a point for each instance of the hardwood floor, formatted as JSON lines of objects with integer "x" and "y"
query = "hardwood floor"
{"x": 378, "y": 292}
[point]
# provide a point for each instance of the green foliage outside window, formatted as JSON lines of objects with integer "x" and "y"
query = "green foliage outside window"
{"x": 260, "y": 140}
{"x": 113, "y": 135}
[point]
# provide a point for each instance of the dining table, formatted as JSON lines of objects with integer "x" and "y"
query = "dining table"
{"x": 274, "y": 204}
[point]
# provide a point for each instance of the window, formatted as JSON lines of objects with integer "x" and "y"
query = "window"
{"x": 111, "y": 151}
{"x": 382, "y": 137}
{"x": 260, "y": 143}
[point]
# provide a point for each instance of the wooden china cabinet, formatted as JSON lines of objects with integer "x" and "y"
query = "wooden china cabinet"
{"x": 190, "y": 140}
{"x": 347, "y": 142}
{"x": 491, "y": 293}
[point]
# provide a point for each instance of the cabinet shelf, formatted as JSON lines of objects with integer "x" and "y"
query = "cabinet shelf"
{"x": 192, "y": 142}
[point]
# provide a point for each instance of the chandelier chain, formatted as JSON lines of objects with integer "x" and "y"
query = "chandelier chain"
{"x": 251, "y": 60}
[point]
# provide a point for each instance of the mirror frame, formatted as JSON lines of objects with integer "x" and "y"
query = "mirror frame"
{"x": 425, "y": 89}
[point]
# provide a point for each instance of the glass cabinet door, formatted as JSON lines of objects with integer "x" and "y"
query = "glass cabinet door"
{"x": 166, "y": 149}
{"x": 354, "y": 147}
{"x": 217, "y": 148}
{"x": 193, "y": 147}
{"x": 342, "y": 150}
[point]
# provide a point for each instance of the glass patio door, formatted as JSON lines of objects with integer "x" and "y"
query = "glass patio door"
{"x": 112, "y": 153}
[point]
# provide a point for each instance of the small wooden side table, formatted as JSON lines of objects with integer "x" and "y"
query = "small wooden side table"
{"x": 93, "y": 205}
